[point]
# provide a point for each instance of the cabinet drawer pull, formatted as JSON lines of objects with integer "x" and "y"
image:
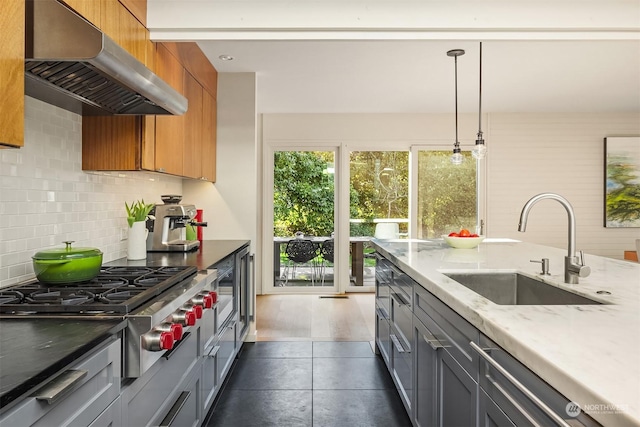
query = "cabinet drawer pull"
{"x": 396, "y": 343}
{"x": 382, "y": 313}
{"x": 515, "y": 403}
{"x": 167, "y": 355}
{"x": 175, "y": 409}
{"x": 433, "y": 342}
{"x": 539, "y": 403}
{"x": 60, "y": 385}
{"x": 399, "y": 299}
{"x": 213, "y": 352}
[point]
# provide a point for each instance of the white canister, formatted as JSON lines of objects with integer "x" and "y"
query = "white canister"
{"x": 137, "y": 240}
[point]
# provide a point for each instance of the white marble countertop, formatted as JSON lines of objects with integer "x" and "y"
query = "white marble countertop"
{"x": 589, "y": 353}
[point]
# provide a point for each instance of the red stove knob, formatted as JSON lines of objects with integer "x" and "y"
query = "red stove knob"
{"x": 184, "y": 317}
{"x": 203, "y": 299}
{"x": 207, "y": 301}
{"x": 176, "y": 330}
{"x": 166, "y": 340}
{"x": 157, "y": 340}
{"x": 190, "y": 318}
{"x": 214, "y": 296}
{"x": 197, "y": 310}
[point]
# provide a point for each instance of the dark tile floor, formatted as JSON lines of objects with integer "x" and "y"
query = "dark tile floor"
{"x": 322, "y": 383}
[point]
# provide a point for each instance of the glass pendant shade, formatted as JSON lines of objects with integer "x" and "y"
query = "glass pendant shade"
{"x": 457, "y": 157}
{"x": 479, "y": 150}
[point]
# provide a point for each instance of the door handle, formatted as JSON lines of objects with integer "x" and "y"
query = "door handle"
{"x": 60, "y": 385}
{"x": 252, "y": 288}
{"x": 433, "y": 342}
{"x": 396, "y": 343}
{"x": 175, "y": 409}
{"x": 517, "y": 384}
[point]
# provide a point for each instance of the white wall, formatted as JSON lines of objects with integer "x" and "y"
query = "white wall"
{"x": 47, "y": 198}
{"x": 560, "y": 153}
{"x": 230, "y": 205}
{"x": 528, "y": 154}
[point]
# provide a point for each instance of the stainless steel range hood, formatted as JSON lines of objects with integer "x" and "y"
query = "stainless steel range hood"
{"x": 72, "y": 64}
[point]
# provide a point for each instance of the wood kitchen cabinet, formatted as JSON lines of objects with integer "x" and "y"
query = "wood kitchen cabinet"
{"x": 178, "y": 145}
{"x": 12, "y": 27}
{"x": 209, "y": 126}
{"x": 170, "y": 130}
{"x": 192, "y": 162}
{"x": 117, "y": 21}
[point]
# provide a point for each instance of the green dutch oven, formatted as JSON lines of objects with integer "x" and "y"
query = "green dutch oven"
{"x": 67, "y": 265}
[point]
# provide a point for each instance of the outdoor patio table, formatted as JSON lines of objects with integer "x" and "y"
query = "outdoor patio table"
{"x": 357, "y": 254}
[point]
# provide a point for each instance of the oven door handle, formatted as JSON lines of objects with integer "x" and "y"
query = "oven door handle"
{"x": 167, "y": 355}
{"x": 60, "y": 385}
{"x": 252, "y": 289}
{"x": 175, "y": 409}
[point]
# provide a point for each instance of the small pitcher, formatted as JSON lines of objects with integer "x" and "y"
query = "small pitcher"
{"x": 137, "y": 241}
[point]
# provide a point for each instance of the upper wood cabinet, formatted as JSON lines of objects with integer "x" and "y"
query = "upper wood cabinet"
{"x": 116, "y": 20}
{"x": 91, "y": 10}
{"x": 170, "y": 130}
{"x": 178, "y": 145}
{"x": 12, "y": 27}
{"x": 138, "y": 8}
{"x": 209, "y": 126}
{"x": 192, "y": 159}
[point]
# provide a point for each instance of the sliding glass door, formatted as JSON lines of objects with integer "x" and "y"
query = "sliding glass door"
{"x": 304, "y": 221}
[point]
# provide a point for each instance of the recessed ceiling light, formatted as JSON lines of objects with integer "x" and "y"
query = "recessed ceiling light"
{"x": 226, "y": 57}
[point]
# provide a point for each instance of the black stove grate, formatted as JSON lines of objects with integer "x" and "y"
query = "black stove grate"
{"x": 116, "y": 290}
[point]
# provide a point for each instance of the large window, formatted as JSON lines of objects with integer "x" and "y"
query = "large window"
{"x": 378, "y": 191}
{"x": 447, "y": 194}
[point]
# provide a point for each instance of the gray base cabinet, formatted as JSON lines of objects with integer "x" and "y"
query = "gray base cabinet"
{"x": 457, "y": 393}
{"x": 447, "y": 372}
{"x": 77, "y": 396}
{"x": 446, "y": 392}
{"x": 149, "y": 399}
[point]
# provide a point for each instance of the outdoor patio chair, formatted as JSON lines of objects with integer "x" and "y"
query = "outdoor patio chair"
{"x": 301, "y": 252}
{"x": 326, "y": 251}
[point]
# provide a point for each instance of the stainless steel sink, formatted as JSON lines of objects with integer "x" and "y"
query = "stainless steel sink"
{"x": 517, "y": 289}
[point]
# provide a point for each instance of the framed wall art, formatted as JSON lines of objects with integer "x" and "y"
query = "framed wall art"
{"x": 622, "y": 181}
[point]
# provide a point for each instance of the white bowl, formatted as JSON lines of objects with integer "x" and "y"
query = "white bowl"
{"x": 463, "y": 242}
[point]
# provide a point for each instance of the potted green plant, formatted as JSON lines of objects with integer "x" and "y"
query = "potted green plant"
{"x": 137, "y": 214}
{"x": 138, "y": 211}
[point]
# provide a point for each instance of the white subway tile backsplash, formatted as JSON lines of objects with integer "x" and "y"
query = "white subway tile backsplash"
{"x": 47, "y": 198}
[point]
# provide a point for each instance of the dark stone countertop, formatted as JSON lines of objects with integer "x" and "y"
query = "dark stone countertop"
{"x": 209, "y": 253}
{"x": 32, "y": 350}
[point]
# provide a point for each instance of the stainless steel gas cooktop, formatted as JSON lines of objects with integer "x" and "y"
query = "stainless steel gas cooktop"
{"x": 116, "y": 290}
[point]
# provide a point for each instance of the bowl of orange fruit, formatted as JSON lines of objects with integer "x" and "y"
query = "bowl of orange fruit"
{"x": 463, "y": 239}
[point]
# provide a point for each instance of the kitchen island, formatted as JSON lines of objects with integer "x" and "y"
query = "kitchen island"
{"x": 588, "y": 353}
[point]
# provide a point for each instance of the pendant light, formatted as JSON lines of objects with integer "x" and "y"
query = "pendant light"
{"x": 456, "y": 157}
{"x": 479, "y": 150}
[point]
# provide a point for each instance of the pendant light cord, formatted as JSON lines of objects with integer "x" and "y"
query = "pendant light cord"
{"x": 456, "y": 90}
{"x": 480, "y": 96}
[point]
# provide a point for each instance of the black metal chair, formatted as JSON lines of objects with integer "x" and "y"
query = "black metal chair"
{"x": 301, "y": 252}
{"x": 327, "y": 253}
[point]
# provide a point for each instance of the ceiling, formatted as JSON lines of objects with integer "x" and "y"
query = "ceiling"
{"x": 417, "y": 76}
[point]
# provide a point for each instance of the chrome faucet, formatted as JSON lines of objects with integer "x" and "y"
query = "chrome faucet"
{"x": 573, "y": 265}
